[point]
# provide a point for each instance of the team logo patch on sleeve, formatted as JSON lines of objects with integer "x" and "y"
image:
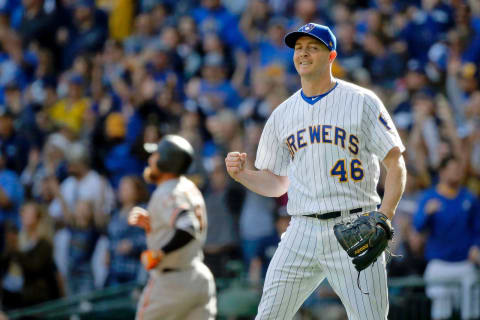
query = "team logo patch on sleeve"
{"x": 383, "y": 121}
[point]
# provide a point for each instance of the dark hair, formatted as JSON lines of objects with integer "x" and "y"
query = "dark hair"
{"x": 446, "y": 160}
{"x": 10, "y": 227}
{"x": 141, "y": 190}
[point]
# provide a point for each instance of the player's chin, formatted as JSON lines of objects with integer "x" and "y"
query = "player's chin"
{"x": 149, "y": 176}
{"x": 304, "y": 70}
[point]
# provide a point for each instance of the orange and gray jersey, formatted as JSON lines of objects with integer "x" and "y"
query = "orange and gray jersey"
{"x": 177, "y": 204}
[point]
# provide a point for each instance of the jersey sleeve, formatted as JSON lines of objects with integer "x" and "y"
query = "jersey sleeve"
{"x": 272, "y": 153}
{"x": 377, "y": 125}
{"x": 181, "y": 214}
{"x": 157, "y": 209}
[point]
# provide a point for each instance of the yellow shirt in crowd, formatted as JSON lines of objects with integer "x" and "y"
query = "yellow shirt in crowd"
{"x": 120, "y": 17}
{"x": 68, "y": 113}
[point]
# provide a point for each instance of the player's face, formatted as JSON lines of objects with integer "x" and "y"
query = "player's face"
{"x": 311, "y": 57}
{"x": 151, "y": 173}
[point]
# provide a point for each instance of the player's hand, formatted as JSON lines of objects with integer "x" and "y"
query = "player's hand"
{"x": 432, "y": 206}
{"x": 139, "y": 217}
{"x": 235, "y": 163}
{"x": 151, "y": 258}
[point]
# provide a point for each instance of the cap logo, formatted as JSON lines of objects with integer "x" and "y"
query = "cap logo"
{"x": 331, "y": 44}
{"x": 308, "y": 27}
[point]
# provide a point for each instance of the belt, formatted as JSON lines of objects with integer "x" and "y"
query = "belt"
{"x": 333, "y": 214}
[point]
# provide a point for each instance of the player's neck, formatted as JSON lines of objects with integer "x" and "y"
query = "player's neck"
{"x": 165, "y": 176}
{"x": 314, "y": 87}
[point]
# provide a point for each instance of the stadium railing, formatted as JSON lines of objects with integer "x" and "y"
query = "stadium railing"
{"x": 236, "y": 298}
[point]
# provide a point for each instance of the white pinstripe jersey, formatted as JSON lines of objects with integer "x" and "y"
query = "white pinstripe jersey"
{"x": 329, "y": 149}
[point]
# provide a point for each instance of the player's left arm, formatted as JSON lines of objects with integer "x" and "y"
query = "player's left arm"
{"x": 151, "y": 258}
{"x": 383, "y": 140}
{"x": 186, "y": 225}
{"x": 394, "y": 181}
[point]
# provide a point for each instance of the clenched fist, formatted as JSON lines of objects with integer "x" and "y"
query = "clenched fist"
{"x": 139, "y": 217}
{"x": 235, "y": 163}
{"x": 151, "y": 258}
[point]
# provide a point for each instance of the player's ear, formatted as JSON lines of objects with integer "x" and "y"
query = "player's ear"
{"x": 332, "y": 56}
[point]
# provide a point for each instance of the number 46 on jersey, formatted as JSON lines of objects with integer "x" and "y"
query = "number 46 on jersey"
{"x": 342, "y": 170}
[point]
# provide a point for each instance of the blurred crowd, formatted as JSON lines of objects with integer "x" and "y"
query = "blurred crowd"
{"x": 85, "y": 84}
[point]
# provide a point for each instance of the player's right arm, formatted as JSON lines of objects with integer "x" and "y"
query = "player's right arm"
{"x": 263, "y": 182}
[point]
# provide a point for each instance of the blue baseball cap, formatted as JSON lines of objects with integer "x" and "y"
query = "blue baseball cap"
{"x": 84, "y": 3}
{"x": 76, "y": 78}
{"x": 314, "y": 30}
{"x": 414, "y": 65}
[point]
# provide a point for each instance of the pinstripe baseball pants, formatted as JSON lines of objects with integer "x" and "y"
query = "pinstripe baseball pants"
{"x": 307, "y": 254}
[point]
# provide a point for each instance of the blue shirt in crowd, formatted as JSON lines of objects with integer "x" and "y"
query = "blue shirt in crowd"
{"x": 82, "y": 245}
{"x": 125, "y": 266}
{"x": 221, "y": 22}
{"x": 11, "y": 186}
{"x": 453, "y": 229}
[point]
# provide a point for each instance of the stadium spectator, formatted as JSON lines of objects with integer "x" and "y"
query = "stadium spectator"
{"x": 10, "y": 272}
{"x": 188, "y": 48}
{"x": 215, "y": 86}
{"x": 162, "y": 14}
{"x": 408, "y": 244}
{"x": 126, "y": 242}
{"x": 68, "y": 113}
{"x": 83, "y": 239}
{"x": 254, "y": 20}
{"x": 350, "y": 52}
{"x": 257, "y": 219}
{"x": 82, "y": 184}
{"x": 142, "y": 36}
{"x": 113, "y": 63}
{"x": 37, "y": 25}
{"x": 85, "y": 34}
{"x": 449, "y": 213}
{"x": 256, "y": 106}
{"x": 13, "y": 145}
{"x": 17, "y": 64}
{"x": 48, "y": 162}
{"x": 271, "y": 49}
{"x": 471, "y": 144}
{"x": 414, "y": 81}
{"x": 23, "y": 112}
{"x": 428, "y": 24}
{"x": 224, "y": 128}
{"x": 222, "y": 233}
{"x": 32, "y": 252}
{"x": 118, "y": 159}
{"x": 11, "y": 194}
{"x": 383, "y": 64}
{"x": 212, "y": 16}
{"x": 304, "y": 12}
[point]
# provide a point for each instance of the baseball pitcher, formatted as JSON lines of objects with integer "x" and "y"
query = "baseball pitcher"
{"x": 324, "y": 145}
